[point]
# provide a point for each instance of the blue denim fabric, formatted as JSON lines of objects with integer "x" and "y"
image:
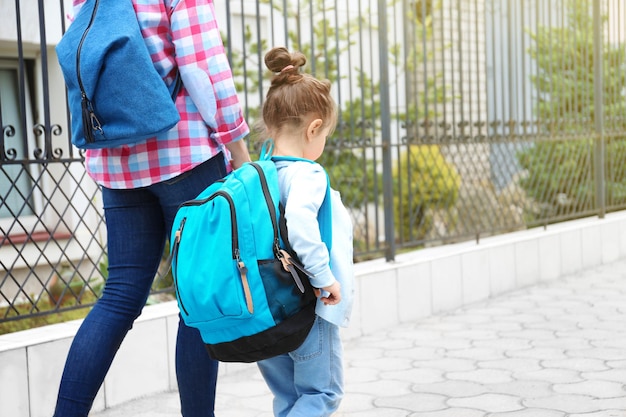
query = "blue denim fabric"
{"x": 308, "y": 382}
{"x": 138, "y": 224}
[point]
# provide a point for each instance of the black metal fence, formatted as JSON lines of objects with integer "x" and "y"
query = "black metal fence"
{"x": 458, "y": 119}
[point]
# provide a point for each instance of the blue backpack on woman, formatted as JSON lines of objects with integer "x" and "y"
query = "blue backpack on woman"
{"x": 116, "y": 96}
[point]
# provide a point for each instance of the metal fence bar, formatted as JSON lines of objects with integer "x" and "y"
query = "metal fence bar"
{"x": 385, "y": 113}
{"x": 598, "y": 88}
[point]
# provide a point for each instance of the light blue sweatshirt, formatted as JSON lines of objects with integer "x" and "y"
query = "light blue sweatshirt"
{"x": 302, "y": 189}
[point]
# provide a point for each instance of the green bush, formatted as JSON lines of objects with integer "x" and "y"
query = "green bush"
{"x": 560, "y": 175}
{"x": 426, "y": 183}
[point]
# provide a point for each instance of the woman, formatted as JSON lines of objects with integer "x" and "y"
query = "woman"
{"x": 142, "y": 187}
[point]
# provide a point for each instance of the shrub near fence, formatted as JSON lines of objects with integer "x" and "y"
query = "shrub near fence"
{"x": 560, "y": 179}
{"x": 426, "y": 183}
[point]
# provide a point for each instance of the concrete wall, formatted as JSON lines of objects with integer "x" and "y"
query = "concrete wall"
{"x": 416, "y": 285}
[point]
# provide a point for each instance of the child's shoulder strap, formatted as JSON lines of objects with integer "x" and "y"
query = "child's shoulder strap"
{"x": 324, "y": 215}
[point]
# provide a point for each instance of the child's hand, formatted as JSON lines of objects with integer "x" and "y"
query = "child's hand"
{"x": 334, "y": 296}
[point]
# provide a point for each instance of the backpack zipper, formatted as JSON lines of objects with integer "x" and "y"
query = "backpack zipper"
{"x": 90, "y": 120}
{"x": 175, "y": 245}
{"x": 241, "y": 266}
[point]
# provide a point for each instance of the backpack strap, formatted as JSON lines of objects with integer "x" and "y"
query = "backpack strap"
{"x": 324, "y": 216}
{"x": 266, "y": 150}
{"x": 176, "y": 86}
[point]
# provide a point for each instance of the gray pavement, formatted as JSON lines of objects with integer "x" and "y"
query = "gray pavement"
{"x": 557, "y": 349}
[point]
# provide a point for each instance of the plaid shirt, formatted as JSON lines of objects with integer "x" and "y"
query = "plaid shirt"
{"x": 181, "y": 33}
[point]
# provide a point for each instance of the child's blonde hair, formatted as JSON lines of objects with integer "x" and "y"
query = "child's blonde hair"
{"x": 294, "y": 97}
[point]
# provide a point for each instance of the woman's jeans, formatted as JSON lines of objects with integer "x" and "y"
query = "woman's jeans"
{"x": 138, "y": 223}
{"x": 308, "y": 382}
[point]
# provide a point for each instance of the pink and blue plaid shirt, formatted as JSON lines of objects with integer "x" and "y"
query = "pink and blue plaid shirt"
{"x": 181, "y": 33}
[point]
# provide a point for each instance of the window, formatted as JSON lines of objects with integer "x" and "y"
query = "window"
{"x": 17, "y": 198}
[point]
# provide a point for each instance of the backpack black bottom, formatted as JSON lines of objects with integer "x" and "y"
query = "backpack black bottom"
{"x": 282, "y": 338}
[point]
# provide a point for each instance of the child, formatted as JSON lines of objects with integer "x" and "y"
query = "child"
{"x": 299, "y": 113}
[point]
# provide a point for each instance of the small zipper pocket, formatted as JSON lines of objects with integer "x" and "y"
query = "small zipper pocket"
{"x": 235, "y": 253}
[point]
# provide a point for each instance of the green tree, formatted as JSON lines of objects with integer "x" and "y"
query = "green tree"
{"x": 560, "y": 172}
{"x": 565, "y": 72}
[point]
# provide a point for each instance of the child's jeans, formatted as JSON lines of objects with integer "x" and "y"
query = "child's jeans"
{"x": 308, "y": 382}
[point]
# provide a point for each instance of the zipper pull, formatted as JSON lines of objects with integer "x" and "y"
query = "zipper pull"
{"x": 91, "y": 123}
{"x": 243, "y": 271}
{"x": 288, "y": 266}
{"x": 284, "y": 259}
{"x": 173, "y": 256}
{"x": 95, "y": 123}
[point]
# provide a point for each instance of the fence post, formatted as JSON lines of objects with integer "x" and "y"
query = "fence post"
{"x": 599, "y": 149}
{"x": 385, "y": 120}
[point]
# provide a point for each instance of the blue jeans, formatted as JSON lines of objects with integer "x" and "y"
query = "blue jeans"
{"x": 138, "y": 223}
{"x": 308, "y": 382}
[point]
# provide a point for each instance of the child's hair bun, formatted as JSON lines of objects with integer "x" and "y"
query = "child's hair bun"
{"x": 280, "y": 61}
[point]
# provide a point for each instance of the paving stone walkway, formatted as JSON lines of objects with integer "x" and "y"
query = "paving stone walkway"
{"x": 557, "y": 349}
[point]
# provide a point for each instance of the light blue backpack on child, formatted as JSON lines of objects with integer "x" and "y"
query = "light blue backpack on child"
{"x": 236, "y": 278}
